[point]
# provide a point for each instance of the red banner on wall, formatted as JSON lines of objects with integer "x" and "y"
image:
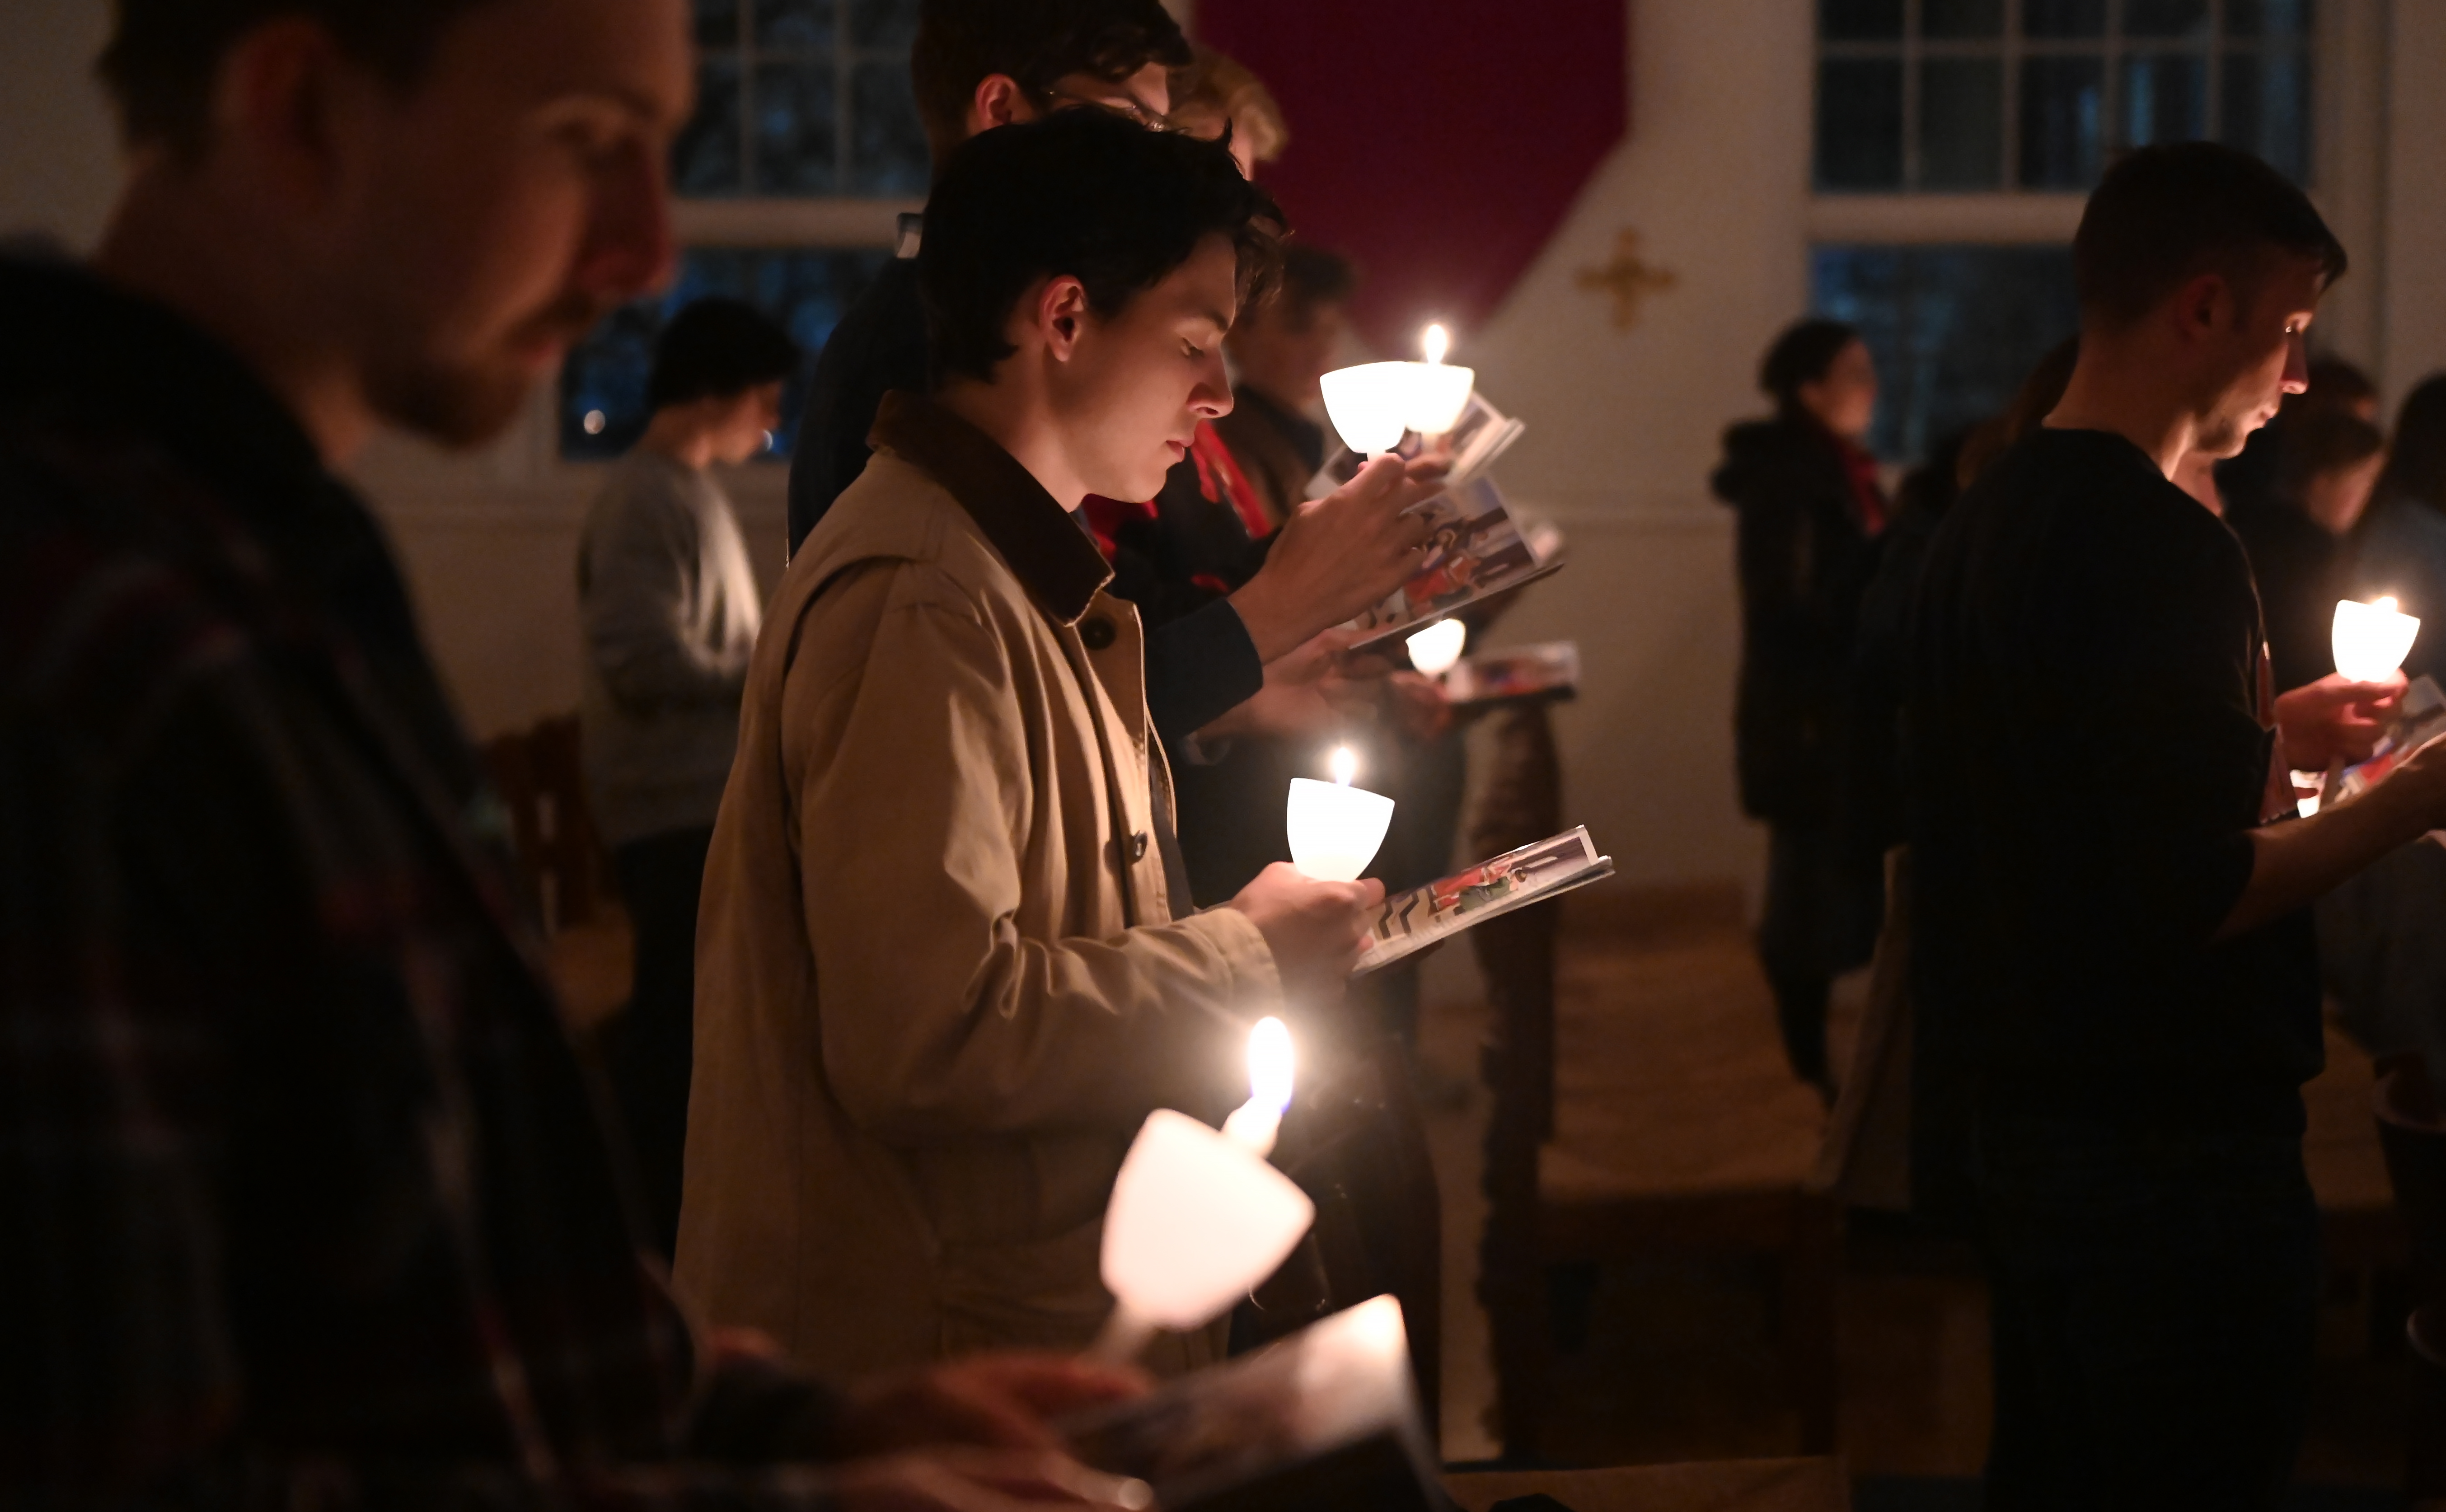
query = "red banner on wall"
{"x": 1440, "y": 142}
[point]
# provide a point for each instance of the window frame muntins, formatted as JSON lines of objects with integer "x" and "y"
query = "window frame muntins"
{"x": 748, "y": 53}
{"x": 2009, "y": 47}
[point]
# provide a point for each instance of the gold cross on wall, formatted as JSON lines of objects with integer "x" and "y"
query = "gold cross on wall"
{"x": 1628, "y": 277}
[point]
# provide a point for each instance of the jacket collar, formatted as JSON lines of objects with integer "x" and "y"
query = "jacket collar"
{"x": 1043, "y": 547}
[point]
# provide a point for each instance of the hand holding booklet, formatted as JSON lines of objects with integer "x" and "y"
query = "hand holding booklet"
{"x": 1409, "y": 923}
{"x": 1475, "y": 549}
{"x": 1548, "y": 671}
{"x": 1324, "y": 1421}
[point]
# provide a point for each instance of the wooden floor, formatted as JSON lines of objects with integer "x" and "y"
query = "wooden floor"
{"x": 1667, "y": 1037}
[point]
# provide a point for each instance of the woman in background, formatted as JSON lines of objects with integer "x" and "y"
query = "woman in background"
{"x": 1811, "y": 514}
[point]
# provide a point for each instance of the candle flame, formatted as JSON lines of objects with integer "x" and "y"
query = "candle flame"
{"x": 1436, "y": 342}
{"x": 1344, "y": 764}
{"x": 1269, "y": 1064}
{"x": 2387, "y": 603}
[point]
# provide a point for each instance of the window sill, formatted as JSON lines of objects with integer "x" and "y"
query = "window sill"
{"x": 1904, "y": 218}
{"x": 790, "y": 222}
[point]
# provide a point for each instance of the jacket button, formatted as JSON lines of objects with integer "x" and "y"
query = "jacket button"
{"x": 1137, "y": 847}
{"x": 1097, "y": 633}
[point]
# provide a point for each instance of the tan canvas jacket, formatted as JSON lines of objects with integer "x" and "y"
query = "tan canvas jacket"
{"x": 939, "y": 982}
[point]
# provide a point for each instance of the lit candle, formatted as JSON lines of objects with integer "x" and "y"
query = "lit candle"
{"x": 1334, "y": 827}
{"x": 1369, "y": 404}
{"x": 1435, "y": 649}
{"x": 2371, "y": 640}
{"x": 1436, "y": 342}
{"x": 1196, "y": 1220}
{"x": 1254, "y": 1123}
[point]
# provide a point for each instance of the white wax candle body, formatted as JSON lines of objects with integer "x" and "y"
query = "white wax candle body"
{"x": 2371, "y": 640}
{"x": 1335, "y": 830}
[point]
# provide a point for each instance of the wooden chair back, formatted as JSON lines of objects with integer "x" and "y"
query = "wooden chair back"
{"x": 560, "y": 854}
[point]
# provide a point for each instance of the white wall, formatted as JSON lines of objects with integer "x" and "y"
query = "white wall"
{"x": 58, "y": 164}
{"x": 1714, "y": 176}
{"x": 1623, "y": 425}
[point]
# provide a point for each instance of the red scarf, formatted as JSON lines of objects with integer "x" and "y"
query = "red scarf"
{"x": 1868, "y": 499}
{"x": 1218, "y": 478}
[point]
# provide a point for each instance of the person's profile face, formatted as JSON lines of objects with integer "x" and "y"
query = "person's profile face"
{"x": 1129, "y": 397}
{"x": 1845, "y": 400}
{"x": 506, "y": 202}
{"x": 742, "y": 423}
{"x": 2259, "y": 355}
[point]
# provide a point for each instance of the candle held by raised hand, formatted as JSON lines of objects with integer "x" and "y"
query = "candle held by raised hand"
{"x": 1334, "y": 827}
{"x": 2371, "y": 640}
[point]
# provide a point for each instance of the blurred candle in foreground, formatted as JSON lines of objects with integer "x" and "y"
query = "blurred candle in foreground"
{"x": 1435, "y": 649}
{"x": 2371, "y": 640}
{"x": 1254, "y": 1123}
{"x": 1195, "y": 1221}
{"x": 1334, "y": 827}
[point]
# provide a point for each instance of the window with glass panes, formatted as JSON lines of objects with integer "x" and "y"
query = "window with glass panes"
{"x": 1971, "y": 95}
{"x": 799, "y": 98}
{"x": 602, "y": 408}
{"x": 1954, "y": 328}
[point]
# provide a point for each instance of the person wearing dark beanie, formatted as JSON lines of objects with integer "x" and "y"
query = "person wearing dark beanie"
{"x": 670, "y": 610}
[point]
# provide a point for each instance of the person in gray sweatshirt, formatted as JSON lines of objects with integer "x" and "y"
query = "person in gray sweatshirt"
{"x": 670, "y": 609}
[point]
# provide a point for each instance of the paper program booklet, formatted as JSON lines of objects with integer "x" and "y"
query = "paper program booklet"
{"x": 2421, "y": 719}
{"x": 1324, "y": 1421}
{"x": 1475, "y": 549}
{"x": 1482, "y": 435}
{"x": 1409, "y": 923}
{"x": 1548, "y": 671}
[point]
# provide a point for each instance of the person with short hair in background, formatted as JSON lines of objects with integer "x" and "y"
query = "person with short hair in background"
{"x": 2113, "y": 967}
{"x": 668, "y": 607}
{"x": 974, "y": 64}
{"x": 1810, "y": 513}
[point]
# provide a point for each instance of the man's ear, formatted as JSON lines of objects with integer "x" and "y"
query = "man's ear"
{"x": 276, "y": 100}
{"x": 999, "y": 100}
{"x": 2206, "y": 305}
{"x": 1062, "y": 314}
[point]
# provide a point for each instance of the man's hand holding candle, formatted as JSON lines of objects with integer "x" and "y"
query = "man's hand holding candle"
{"x": 1315, "y": 929}
{"x": 2334, "y": 719}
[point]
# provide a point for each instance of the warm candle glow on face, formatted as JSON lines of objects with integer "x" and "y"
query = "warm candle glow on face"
{"x": 1436, "y": 342}
{"x": 1335, "y": 829}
